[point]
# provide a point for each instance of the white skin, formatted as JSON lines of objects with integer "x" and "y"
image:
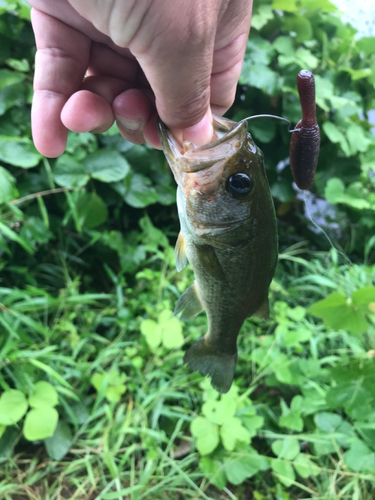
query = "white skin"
{"x": 178, "y": 59}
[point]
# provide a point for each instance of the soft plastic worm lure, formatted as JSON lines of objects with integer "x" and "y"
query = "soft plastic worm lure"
{"x": 304, "y": 145}
{"x": 305, "y": 141}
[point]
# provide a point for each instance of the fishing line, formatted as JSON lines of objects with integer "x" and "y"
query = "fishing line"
{"x": 304, "y": 192}
{"x": 322, "y": 230}
{"x": 271, "y": 116}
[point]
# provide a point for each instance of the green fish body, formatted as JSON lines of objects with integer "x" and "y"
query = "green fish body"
{"x": 228, "y": 235}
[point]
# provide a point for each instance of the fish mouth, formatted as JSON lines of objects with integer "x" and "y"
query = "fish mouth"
{"x": 231, "y": 136}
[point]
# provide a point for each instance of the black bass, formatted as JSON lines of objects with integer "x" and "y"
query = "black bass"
{"x": 228, "y": 234}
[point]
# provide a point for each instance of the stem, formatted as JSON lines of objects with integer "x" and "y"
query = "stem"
{"x": 44, "y": 193}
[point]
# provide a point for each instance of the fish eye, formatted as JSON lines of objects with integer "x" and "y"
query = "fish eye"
{"x": 239, "y": 185}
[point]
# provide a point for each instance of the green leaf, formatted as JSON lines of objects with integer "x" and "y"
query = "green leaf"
{"x": 366, "y": 45}
{"x": 300, "y": 25}
{"x": 287, "y": 448}
{"x": 283, "y": 374}
{"x": 239, "y": 468}
{"x": 357, "y": 74}
{"x": 323, "y": 5}
{"x": 12, "y": 235}
{"x": 43, "y": 395}
{"x": 252, "y": 423}
{"x": 336, "y": 136}
{"x": 13, "y": 406}
{"x": 219, "y": 412}
{"x": 40, "y": 423}
{"x": 92, "y": 210}
{"x": 259, "y": 50}
{"x": 213, "y": 469}
{"x": 114, "y": 387}
{"x": 284, "y": 470}
{"x": 293, "y": 337}
{"x": 206, "y": 434}
{"x": 59, "y": 443}
{"x": 261, "y": 17}
{"x": 172, "y": 333}
{"x": 353, "y": 396}
{"x": 327, "y": 422}
{"x": 287, "y": 5}
{"x": 282, "y": 190}
{"x": 34, "y": 232}
{"x": 338, "y": 313}
{"x": 11, "y": 96}
{"x": 152, "y": 332}
{"x": 107, "y": 165}
{"x": 69, "y": 173}
{"x": 19, "y": 152}
{"x": 304, "y": 466}
{"x": 231, "y": 431}
{"x": 140, "y": 193}
{"x": 291, "y": 418}
{"x": 114, "y": 393}
{"x": 296, "y": 313}
{"x": 8, "y": 78}
{"x": 357, "y": 139}
{"x": 334, "y": 190}
{"x": 284, "y": 45}
{"x": 19, "y": 65}
{"x": 360, "y": 458}
{"x": 8, "y": 190}
{"x": 260, "y": 77}
{"x": 364, "y": 296}
{"x": 263, "y": 130}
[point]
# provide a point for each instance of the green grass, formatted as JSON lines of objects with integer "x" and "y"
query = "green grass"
{"x": 139, "y": 444}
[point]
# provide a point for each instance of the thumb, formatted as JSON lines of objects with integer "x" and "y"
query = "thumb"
{"x": 178, "y": 66}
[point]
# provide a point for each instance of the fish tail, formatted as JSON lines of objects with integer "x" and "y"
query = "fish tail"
{"x": 207, "y": 360}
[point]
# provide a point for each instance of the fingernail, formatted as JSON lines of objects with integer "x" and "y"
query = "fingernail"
{"x": 132, "y": 125}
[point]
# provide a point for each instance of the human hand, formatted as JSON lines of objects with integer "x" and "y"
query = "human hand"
{"x": 142, "y": 58}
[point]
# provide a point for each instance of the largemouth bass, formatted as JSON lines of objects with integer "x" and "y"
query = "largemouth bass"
{"x": 228, "y": 235}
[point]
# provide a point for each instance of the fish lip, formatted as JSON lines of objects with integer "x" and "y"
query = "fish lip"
{"x": 231, "y": 132}
{"x": 190, "y": 161}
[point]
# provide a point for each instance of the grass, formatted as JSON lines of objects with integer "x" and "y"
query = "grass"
{"x": 140, "y": 446}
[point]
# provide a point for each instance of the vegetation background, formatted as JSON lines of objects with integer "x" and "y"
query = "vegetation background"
{"x": 95, "y": 402}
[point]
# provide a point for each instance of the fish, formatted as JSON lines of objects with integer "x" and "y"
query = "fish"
{"x": 228, "y": 235}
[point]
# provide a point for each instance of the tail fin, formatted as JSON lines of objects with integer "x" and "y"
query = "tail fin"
{"x": 208, "y": 361}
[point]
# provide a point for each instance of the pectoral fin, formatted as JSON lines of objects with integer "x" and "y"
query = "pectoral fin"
{"x": 264, "y": 310}
{"x": 180, "y": 252}
{"x": 189, "y": 304}
{"x": 209, "y": 261}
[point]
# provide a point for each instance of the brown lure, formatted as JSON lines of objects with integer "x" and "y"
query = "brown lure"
{"x": 305, "y": 142}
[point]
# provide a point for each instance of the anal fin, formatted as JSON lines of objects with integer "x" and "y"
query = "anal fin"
{"x": 189, "y": 304}
{"x": 180, "y": 252}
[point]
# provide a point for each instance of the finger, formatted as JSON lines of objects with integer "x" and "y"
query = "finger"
{"x": 177, "y": 61}
{"x": 104, "y": 61}
{"x": 63, "y": 10}
{"x": 230, "y": 46}
{"x": 133, "y": 110}
{"x": 105, "y": 86}
{"x": 87, "y": 112}
{"x": 60, "y": 63}
{"x": 225, "y": 74}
